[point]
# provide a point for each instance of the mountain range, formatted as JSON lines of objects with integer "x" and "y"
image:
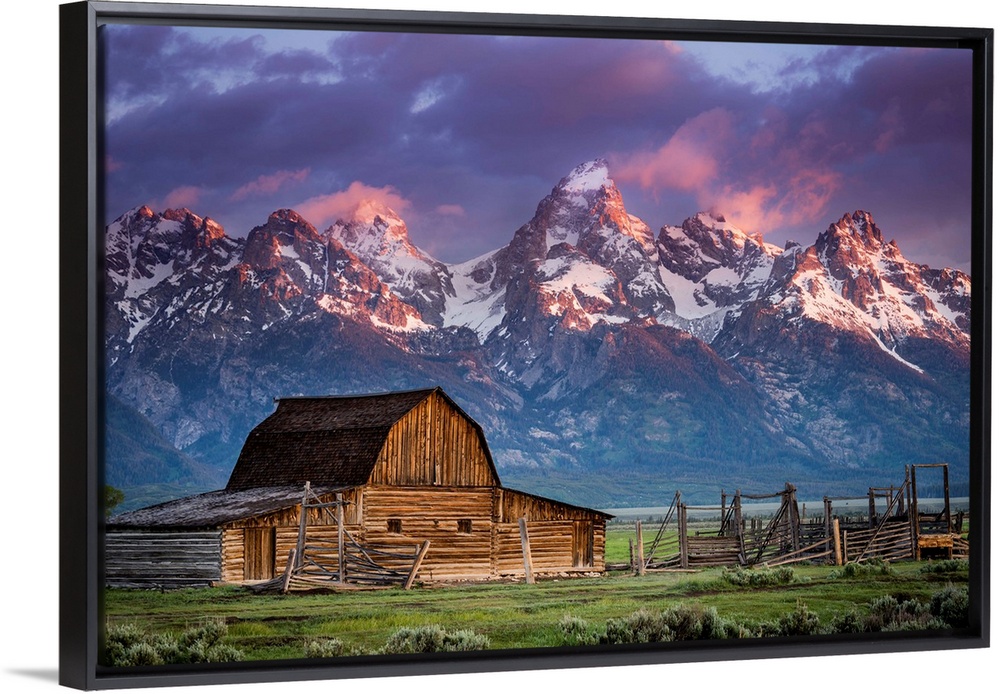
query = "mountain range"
{"x": 607, "y": 363}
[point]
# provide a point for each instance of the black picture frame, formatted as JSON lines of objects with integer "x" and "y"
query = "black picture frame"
{"x": 81, "y": 349}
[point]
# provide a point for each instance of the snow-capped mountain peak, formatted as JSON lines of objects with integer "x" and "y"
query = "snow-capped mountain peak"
{"x": 853, "y": 281}
{"x": 589, "y": 176}
{"x": 370, "y": 211}
{"x": 380, "y": 238}
{"x": 711, "y": 268}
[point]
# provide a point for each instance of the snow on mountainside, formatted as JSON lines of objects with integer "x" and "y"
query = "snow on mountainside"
{"x": 711, "y": 268}
{"x": 378, "y": 236}
{"x": 478, "y": 303}
{"x": 585, "y": 211}
{"x": 584, "y": 342}
{"x": 287, "y": 260}
{"x": 158, "y": 262}
{"x": 856, "y": 281}
{"x": 582, "y": 259}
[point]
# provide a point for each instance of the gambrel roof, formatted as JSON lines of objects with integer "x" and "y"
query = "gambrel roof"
{"x": 330, "y": 441}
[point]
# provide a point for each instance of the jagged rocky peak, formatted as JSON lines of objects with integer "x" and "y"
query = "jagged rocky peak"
{"x": 588, "y": 176}
{"x": 143, "y": 243}
{"x": 142, "y": 211}
{"x": 286, "y": 220}
{"x": 583, "y": 201}
{"x": 373, "y": 229}
{"x": 286, "y": 234}
{"x": 380, "y": 238}
{"x": 856, "y": 253}
{"x": 853, "y": 231}
{"x": 201, "y": 231}
{"x": 707, "y": 241}
{"x": 715, "y": 235}
{"x": 371, "y": 211}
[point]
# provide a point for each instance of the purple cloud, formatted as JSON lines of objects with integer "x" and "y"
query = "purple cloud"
{"x": 488, "y": 125}
{"x": 269, "y": 183}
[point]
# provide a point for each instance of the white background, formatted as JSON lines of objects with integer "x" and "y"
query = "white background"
{"x": 28, "y": 355}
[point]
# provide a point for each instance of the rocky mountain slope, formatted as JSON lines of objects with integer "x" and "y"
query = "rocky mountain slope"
{"x": 607, "y": 364}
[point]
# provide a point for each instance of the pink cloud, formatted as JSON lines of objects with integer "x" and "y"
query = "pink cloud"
{"x": 111, "y": 164}
{"x": 760, "y": 208}
{"x": 639, "y": 73}
{"x": 184, "y": 196}
{"x": 450, "y": 210}
{"x": 689, "y": 161}
{"x": 326, "y": 209}
{"x": 760, "y": 178}
{"x": 270, "y": 183}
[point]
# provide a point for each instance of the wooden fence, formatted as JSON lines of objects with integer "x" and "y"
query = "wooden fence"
{"x": 893, "y": 529}
{"x": 343, "y": 562}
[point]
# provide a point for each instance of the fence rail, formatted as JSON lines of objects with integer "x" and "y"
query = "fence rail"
{"x": 892, "y": 530}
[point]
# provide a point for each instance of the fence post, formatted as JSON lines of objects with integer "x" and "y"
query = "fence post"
{"x": 827, "y": 520}
{"x": 738, "y": 519}
{"x": 301, "y": 542}
{"x": 529, "y": 571}
{"x": 838, "y": 558}
{"x": 793, "y": 514}
{"x": 641, "y": 569}
{"x": 421, "y": 553}
{"x": 947, "y": 502}
{"x": 288, "y": 570}
{"x": 682, "y": 534}
{"x": 341, "y": 560}
{"x": 722, "y": 529}
{"x": 911, "y": 499}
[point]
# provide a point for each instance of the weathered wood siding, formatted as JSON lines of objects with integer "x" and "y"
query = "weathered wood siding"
{"x": 562, "y": 537}
{"x": 169, "y": 559}
{"x": 513, "y": 504}
{"x": 556, "y": 546}
{"x": 237, "y": 566}
{"x": 433, "y": 444}
{"x": 437, "y": 514}
{"x": 232, "y": 555}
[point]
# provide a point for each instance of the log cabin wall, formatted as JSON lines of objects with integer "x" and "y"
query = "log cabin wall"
{"x": 250, "y": 554}
{"x": 556, "y": 546}
{"x": 171, "y": 559}
{"x": 433, "y": 444}
{"x": 513, "y": 504}
{"x": 457, "y": 521}
{"x": 563, "y": 538}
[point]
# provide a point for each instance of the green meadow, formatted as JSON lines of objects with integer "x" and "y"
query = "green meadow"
{"x": 552, "y": 612}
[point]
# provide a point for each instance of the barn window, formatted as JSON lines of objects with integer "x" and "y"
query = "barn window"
{"x": 465, "y": 526}
{"x": 394, "y": 526}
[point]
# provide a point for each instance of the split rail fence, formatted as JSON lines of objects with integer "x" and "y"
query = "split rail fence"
{"x": 893, "y": 529}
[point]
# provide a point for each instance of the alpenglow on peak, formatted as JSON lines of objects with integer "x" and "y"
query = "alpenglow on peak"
{"x": 590, "y": 175}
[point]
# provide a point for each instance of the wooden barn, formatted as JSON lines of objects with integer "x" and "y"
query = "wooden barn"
{"x": 400, "y": 469}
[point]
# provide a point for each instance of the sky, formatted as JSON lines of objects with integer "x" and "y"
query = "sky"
{"x": 463, "y": 135}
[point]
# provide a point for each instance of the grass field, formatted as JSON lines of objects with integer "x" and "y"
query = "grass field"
{"x": 511, "y": 615}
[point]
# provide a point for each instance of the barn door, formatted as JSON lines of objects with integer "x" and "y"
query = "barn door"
{"x": 258, "y": 554}
{"x": 583, "y": 544}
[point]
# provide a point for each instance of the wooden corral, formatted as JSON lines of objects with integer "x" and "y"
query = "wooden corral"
{"x": 408, "y": 468}
{"x": 737, "y": 541}
{"x": 897, "y": 531}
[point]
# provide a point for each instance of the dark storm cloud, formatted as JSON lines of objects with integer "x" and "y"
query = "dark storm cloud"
{"x": 301, "y": 64}
{"x": 487, "y": 125}
{"x": 147, "y": 61}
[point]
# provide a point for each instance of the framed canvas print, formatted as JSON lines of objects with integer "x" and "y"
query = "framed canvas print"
{"x": 403, "y": 342}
